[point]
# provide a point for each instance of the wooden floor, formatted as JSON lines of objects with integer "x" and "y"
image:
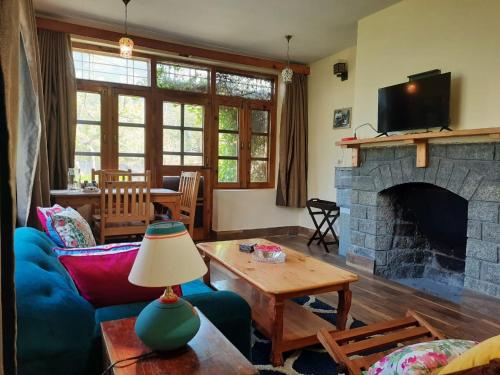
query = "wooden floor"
{"x": 375, "y": 299}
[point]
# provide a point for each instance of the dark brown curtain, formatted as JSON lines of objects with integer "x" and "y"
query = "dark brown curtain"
{"x": 9, "y": 111}
{"x": 292, "y": 173}
{"x": 59, "y": 97}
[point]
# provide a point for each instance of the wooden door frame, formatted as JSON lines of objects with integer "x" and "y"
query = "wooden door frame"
{"x": 206, "y": 169}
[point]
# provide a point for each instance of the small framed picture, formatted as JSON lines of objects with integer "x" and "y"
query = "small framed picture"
{"x": 342, "y": 118}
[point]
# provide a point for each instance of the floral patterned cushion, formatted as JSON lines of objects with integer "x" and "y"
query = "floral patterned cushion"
{"x": 69, "y": 229}
{"x": 44, "y": 213}
{"x": 420, "y": 359}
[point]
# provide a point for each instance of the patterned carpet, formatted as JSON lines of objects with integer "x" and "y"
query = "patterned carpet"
{"x": 313, "y": 360}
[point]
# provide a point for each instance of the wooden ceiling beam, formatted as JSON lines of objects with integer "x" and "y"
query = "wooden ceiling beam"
{"x": 180, "y": 49}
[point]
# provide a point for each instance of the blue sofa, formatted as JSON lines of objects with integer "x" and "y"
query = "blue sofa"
{"x": 59, "y": 331}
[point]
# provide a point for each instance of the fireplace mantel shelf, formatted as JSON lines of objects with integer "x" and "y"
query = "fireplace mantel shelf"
{"x": 419, "y": 139}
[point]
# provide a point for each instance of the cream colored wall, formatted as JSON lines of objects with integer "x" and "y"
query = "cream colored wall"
{"x": 326, "y": 93}
{"x": 457, "y": 36}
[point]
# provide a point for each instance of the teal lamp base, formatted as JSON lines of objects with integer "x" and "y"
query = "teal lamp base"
{"x": 167, "y": 325}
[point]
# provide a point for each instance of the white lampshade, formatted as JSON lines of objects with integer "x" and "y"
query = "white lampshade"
{"x": 167, "y": 256}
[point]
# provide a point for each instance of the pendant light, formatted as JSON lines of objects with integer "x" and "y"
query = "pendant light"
{"x": 287, "y": 72}
{"x": 126, "y": 44}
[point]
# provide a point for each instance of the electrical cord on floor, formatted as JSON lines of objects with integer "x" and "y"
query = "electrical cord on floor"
{"x": 137, "y": 358}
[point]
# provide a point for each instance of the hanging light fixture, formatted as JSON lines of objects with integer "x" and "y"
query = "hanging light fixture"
{"x": 126, "y": 44}
{"x": 287, "y": 72}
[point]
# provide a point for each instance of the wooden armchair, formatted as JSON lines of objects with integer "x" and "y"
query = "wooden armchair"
{"x": 375, "y": 339}
{"x": 124, "y": 205}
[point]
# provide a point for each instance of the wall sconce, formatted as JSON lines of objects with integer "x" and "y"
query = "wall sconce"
{"x": 340, "y": 70}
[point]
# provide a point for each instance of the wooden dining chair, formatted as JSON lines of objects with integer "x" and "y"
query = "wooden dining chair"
{"x": 355, "y": 350}
{"x": 117, "y": 174}
{"x": 188, "y": 186}
{"x": 124, "y": 205}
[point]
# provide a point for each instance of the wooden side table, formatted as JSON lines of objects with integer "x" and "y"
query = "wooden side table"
{"x": 209, "y": 352}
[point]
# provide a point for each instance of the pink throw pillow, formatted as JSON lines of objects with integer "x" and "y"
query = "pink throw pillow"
{"x": 44, "y": 213}
{"x": 102, "y": 278}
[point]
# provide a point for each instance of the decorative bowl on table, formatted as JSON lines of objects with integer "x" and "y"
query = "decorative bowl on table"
{"x": 268, "y": 254}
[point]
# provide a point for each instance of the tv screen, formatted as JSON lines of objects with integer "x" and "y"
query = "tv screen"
{"x": 420, "y": 104}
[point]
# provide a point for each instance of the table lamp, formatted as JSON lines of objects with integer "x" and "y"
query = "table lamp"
{"x": 167, "y": 256}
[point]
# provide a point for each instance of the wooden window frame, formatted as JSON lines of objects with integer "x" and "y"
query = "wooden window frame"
{"x": 154, "y": 122}
{"x": 244, "y": 158}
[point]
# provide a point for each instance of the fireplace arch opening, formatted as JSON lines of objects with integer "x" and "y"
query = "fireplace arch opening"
{"x": 429, "y": 233}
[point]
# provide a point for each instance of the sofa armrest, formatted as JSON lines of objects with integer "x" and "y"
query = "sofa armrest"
{"x": 230, "y": 313}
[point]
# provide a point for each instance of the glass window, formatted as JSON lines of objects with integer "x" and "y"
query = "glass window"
{"x": 182, "y": 77}
{"x": 228, "y": 141}
{"x": 259, "y": 145}
{"x": 183, "y": 133}
{"x": 229, "y": 84}
{"x": 131, "y": 132}
{"x": 88, "y": 133}
{"x": 99, "y": 66}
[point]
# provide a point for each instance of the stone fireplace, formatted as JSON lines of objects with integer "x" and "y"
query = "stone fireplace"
{"x": 440, "y": 223}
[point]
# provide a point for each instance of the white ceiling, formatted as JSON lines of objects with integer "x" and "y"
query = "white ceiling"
{"x": 252, "y": 27}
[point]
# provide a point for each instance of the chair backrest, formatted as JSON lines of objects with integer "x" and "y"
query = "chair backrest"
{"x": 188, "y": 185}
{"x": 125, "y": 200}
{"x": 117, "y": 174}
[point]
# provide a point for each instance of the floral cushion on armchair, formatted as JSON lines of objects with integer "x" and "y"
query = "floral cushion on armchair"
{"x": 69, "y": 229}
{"x": 424, "y": 358}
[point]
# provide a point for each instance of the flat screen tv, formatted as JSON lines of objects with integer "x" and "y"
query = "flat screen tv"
{"x": 420, "y": 104}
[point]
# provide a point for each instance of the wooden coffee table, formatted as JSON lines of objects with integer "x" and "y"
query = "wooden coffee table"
{"x": 268, "y": 289}
{"x": 208, "y": 353}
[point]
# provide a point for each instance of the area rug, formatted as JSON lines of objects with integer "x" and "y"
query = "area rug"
{"x": 313, "y": 360}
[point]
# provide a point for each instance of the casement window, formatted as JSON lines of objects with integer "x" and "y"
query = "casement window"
{"x": 183, "y": 126}
{"x": 88, "y": 133}
{"x": 245, "y": 151}
{"x": 169, "y": 116}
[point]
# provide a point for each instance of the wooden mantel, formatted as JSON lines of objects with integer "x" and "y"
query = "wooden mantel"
{"x": 421, "y": 140}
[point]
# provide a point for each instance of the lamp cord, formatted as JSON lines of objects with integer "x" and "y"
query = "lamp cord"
{"x": 137, "y": 358}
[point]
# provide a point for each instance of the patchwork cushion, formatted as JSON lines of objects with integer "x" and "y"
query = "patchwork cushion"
{"x": 44, "y": 213}
{"x": 420, "y": 359}
{"x": 69, "y": 229}
{"x": 102, "y": 277}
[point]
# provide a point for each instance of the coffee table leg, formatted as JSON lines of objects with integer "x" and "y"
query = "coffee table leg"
{"x": 277, "y": 336}
{"x": 343, "y": 308}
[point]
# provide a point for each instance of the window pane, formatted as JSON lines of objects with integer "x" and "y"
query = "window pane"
{"x": 228, "y": 118}
{"x": 88, "y": 107}
{"x": 193, "y": 116}
{"x": 259, "y": 146}
{"x": 171, "y": 114}
{"x": 182, "y": 77}
{"x": 131, "y": 109}
{"x": 228, "y": 144}
{"x": 258, "y": 171}
{"x": 193, "y": 141}
{"x": 86, "y": 163}
{"x": 193, "y": 160}
{"x": 88, "y": 138}
{"x": 131, "y": 140}
{"x": 228, "y": 171}
{"x": 171, "y": 160}
{"x": 171, "y": 140}
{"x": 136, "y": 163}
{"x": 99, "y": 66}
{"x": 260, "y": 121}
{"x": 230, "y": 84}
